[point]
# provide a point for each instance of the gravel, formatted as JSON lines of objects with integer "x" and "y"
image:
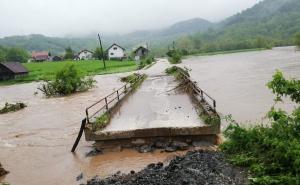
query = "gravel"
{"x": 195, "y": 168}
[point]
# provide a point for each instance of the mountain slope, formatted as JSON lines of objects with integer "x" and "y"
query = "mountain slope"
{"x": 154, "y": 37}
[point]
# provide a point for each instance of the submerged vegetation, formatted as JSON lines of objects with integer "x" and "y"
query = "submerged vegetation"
{"x": 271, "y": 152}
{"x": 67, "y": 81}
{"x": 8, "y": 107}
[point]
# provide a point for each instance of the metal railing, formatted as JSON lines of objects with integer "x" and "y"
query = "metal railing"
{"x": 102, "y": 106}
{"x": 203, "y": 95}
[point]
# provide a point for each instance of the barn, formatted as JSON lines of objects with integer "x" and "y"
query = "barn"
{"x": 11, "y": 70}
{"x": 140, "y": 53}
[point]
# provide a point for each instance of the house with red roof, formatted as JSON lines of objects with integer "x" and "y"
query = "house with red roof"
{"x": 40, "y": 56}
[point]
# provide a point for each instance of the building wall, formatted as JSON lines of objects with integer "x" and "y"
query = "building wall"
{"x": 5, "y": 74}
{"x": 116, "y": 52}
{"x": 85, "y": 55}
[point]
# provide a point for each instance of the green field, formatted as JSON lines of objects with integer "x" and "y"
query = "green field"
{"x": 47, "y": 70}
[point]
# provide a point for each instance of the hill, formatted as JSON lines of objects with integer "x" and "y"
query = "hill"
{"x": 268, "y": 23}
{"x": 155, "y": 38}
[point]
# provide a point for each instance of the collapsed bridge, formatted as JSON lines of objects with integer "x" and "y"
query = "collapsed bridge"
{"x": 146, "y": 110}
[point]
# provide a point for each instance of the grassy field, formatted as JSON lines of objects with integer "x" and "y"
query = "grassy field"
{"x": 47, "y": 70}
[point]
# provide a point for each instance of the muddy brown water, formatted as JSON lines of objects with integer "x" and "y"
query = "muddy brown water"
{"x": 35, "y": 142}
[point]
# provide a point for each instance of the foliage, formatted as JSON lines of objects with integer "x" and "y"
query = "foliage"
{"x": 98, "y": 53}
{"x": 102, "y": 121}
{"x": 131, "y": 78}
{"x": 47, "y": 70}
{"x": 13, "y": 54}
{"x": 146, "y": 62}
{"x": 271, "y": 152}
{"x": 297, "y": 39}
{"x": 177, "y": 72}
{"x": 8, "y": 107}
{"x": 174, "y": 56}
{"x": 67, "y": 81}
{"x": 69, "y": 54}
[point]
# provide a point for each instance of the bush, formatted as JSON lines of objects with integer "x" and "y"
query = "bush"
{"x": 67, "y": 81}
{"x": 174, "y": 57}
{"x": 12, "y": 107}
{"x": 272, "y": 152}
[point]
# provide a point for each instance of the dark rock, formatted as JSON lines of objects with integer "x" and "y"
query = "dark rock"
{"x": 180, "y": 145}
{"x": 162, "y": 144}
{"x": 79, "y": 177}
{"x": 197, "y": 167}
{"x": 94, "y": 152}
{"x": 145, "y": 149}
{"x": 170, "y": 149}
{"x": 138, "y": 142}
{"x": 2, "y": 171}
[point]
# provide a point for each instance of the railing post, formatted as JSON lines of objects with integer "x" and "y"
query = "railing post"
{"x": 106, "y": 105}
{"x": 87, "y": 115}
{"x": 201, "y": 92}
{"x": 118, "y": 95}
{"x": 215, "y": 104}
{"x": 125, "y": 88}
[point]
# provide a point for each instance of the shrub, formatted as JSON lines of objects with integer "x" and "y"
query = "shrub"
{"x": 175, "y": 57}
{"x": 271, "y": 152}
{"x": 67, "y": 81}
{"x": 102, "y": 121}
{"x": 8, "y": 107}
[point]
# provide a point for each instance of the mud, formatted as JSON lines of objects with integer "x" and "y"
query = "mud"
{"x": 197, "y": 167}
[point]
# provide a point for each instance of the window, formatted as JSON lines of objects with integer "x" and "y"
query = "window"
{"x": 111, "y": 54}
{"x": 115, "y": 48}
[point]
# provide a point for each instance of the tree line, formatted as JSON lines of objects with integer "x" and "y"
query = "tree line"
{"x": 13, "y": 54}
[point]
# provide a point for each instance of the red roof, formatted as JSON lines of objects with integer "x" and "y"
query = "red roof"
{"x": 43, "y": 55}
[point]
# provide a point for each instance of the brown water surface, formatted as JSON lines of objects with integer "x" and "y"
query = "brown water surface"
{"x": 35, "y": 142}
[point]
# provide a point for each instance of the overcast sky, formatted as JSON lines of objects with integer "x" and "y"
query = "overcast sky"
{"x": 79, "y": 17}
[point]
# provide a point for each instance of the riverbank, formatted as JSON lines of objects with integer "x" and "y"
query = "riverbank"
{"x": 196, "y": 167}
{"x": 224, "y": 52}
{"x": 47, "y": 70}
{"x": 2, "y": 171}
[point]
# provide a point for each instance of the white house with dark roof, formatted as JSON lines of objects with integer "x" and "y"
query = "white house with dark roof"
{"x": 85, "y": 55}
{"x": 116, "y": 52}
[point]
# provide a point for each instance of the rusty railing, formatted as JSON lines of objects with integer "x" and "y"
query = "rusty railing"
{"x": 102, "y": 106}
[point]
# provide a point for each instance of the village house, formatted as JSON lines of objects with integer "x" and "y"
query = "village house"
{"x": 85, "y": 55}
{"x": 40, "y": 56}
{"x": 11, "y": 70}
{"x": 116, "y": 52}
{"x": 56, "y": 58}
{"x": 140, "y": 53}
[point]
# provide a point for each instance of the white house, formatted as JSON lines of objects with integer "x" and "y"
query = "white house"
{"x": 85, "y": 55}
{"x": 116, "y": 52}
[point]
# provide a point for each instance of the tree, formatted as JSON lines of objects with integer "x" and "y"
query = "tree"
{"x": 2, "y": 54}
{"x": 69, "y": 53}
{"x": 297, "y": 39}
{"x": 17, "y": 55}
{"x": 98, "y": 53}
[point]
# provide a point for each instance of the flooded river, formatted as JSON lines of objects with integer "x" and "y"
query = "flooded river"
{"x": 35, "y": 142}
{"x": 238, "y": 81}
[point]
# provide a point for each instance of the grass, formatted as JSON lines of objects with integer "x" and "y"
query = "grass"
{"x": 47, "y": 70}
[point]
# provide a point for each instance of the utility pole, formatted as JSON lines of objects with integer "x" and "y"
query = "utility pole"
{"x": 102, "y": 52}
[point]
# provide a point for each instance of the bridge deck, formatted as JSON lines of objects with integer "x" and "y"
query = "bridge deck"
{"x": 153, "y": 105}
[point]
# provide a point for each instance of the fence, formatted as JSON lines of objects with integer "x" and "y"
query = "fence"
{"x": 202, "y": 94}
{"x": 102, "y": 106}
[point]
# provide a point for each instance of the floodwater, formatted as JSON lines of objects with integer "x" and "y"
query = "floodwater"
{"x": 35, "y": 142}
{"x": 238, "y": 81}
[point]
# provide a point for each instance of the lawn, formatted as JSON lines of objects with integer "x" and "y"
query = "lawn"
{"x": 47, "y": 70}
